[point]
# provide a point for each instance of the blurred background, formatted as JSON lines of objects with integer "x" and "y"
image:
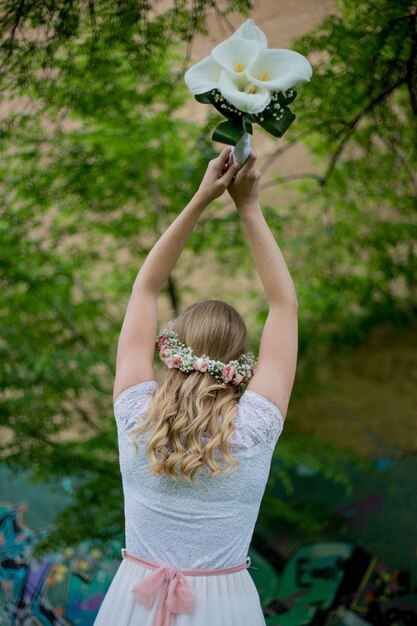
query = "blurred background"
{"x": 102, "y": 146}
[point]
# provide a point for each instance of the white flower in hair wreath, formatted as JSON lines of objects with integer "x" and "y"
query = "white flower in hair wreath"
{"x": 177, "y": 355}
{"x": 248, "y": 83}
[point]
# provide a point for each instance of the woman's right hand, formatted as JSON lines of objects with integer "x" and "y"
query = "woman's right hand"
{"x": 244, "y": 188}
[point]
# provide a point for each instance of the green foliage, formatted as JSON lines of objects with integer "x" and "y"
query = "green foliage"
{"x": 37, "y": 35}
{"x": 358, "y": 116}
{"x": 97, "y": 161}
{"x": 99, "y": 158}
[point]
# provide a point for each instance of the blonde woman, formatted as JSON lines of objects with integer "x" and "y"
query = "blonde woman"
{"x": 195, "y": 451}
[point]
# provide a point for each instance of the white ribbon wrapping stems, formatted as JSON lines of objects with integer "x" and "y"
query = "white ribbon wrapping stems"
{"x": 241, "y": 150}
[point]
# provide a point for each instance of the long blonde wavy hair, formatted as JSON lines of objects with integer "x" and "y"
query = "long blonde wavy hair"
{"x": 190, "y": 405}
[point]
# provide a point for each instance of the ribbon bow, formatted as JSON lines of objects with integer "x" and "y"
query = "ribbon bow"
{"x": 177, "y": 593}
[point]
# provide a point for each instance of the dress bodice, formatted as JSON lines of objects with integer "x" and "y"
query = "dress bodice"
{"x": 206, "y": 525}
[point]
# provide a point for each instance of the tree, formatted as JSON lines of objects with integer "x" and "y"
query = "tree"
{"x": 91, "y": 104}
{"x": 357, "y": 255}
{"x": 74, "y": 187}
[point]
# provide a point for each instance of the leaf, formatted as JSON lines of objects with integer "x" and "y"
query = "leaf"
{"x": 228, "y": 132}
{"x": 224, "y": 107}
{"x": 277, "y": 127}
{"x": 247, "y": 125}
{"x": 203, "y": 98}
{"x": 286, "y": 97}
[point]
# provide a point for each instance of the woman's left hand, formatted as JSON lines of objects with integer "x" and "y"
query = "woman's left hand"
{"x": 218, "y": 176}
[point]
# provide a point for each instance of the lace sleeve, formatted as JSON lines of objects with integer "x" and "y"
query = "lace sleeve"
{"x": 131, "y": 402}
{"x": 263, "y": 421}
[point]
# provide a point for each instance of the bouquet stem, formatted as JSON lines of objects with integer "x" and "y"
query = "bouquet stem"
{"x": 241, "y": 150}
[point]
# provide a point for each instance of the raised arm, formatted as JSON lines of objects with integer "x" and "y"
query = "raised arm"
{"x": 277, "y": 362}
{"x": 135, "y": 349}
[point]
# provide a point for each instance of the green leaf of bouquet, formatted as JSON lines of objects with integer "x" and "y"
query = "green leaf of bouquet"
{"x": 277, "y": 127}
{"x": 286, "y": 97}
{"x": 228, "y": 132}
{"x": 247, "y": 125}
{"x": 203, "y": 98}
{"x": 209, "y": 98}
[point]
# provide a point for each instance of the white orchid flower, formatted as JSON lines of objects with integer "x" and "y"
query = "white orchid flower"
{"x": 245, "y": 71}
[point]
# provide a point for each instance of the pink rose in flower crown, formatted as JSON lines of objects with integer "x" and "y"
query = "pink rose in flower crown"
{"x": 200, "y": 364}
{"x": 238, "y": 378}
{"x": 176, "y": 360}
{"x": 228, "y": 372}
{"x": 162, "y": 340}
{"x": 169, "y": 325}
{"x": 164, "y": 353}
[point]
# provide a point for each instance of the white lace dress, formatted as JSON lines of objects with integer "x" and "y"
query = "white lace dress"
{"x": 204, "y": 526}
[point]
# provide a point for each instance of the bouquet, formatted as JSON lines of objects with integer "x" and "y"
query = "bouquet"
{"x": 248, "y": 83}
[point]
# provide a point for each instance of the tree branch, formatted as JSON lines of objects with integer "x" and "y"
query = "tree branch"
{"x": 82, "y": 413}
{"x": 18, "y": 16}
{"x": 352, "y": 125}
{"x": 280, "y": 151}
{"x": 291, "y": 177}
{"x": 411, "y": 67}
{"x": 390, "y": 144}
{"x": 173, "y": 294}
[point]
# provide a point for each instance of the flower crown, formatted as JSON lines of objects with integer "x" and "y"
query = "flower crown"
{"x": 177, "y": 355}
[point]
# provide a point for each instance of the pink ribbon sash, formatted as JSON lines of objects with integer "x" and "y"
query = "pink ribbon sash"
{"x": 177, "y": 595}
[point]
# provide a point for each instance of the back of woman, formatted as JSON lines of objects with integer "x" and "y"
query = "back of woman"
{"x": 219, "y": 510}
{"x": 195, "y": 449}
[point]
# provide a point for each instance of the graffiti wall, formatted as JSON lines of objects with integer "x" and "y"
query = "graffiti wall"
{"x": 334, "y": 582}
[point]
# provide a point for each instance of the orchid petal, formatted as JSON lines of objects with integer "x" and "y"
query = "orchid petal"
{"x": 279, "y": 69}
{"x": 235, "y": 55}
{"x": 233, "y": 88}
{"x": 249, "y": 30}
{"x": 203, "y": 76}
